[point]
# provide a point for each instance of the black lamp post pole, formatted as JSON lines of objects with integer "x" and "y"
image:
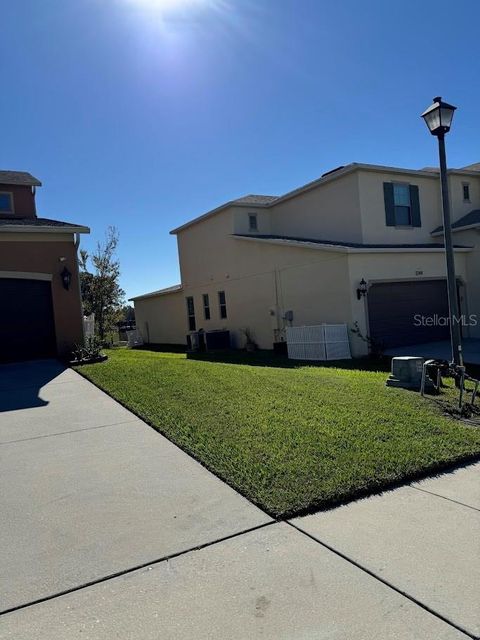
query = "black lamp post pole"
{"x": 455, "y": 333}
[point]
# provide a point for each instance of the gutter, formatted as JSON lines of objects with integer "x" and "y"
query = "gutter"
{"x": 77, "y": 245}
{"x": 338, "y": 248}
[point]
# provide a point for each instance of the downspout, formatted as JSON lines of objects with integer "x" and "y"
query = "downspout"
{"x": 278, "y": 329}
{"x": 77, "y": 245}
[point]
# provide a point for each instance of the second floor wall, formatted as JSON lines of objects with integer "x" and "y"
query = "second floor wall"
{"x": 416, "y": 220}
{"x": 366, "y": 205}
{"x": 329, "y": 211}
{"x": 17, "y": 201}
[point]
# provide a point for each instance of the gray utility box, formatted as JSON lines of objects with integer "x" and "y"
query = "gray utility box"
{"x": 406, "y": 372}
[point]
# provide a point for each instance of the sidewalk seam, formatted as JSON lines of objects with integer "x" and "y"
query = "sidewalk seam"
{"x": 438, "y": 495}
{"x": 383, "y": 581}
{"x": 62, "y": 433}
{"x": 143, "y": 565}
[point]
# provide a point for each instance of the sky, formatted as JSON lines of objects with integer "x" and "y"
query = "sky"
{"x": 144, "y": 114}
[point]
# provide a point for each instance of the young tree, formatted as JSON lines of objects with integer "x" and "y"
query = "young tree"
{"x": 127, "y": 313}
{"x": 101, "y": 292}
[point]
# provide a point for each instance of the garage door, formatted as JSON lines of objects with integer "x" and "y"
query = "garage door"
{"x": 27, "y": 329}
{"x": 392, "y": 308}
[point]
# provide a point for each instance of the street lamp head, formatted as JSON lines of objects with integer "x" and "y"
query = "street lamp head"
{"x": 438, "y": 117}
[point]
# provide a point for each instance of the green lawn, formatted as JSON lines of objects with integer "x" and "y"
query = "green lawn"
{"x": 291, "y": 438}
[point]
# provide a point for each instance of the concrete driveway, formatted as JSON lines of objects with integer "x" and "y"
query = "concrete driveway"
{"x": 110, "y": 531}
{"x": 441, "y": 350}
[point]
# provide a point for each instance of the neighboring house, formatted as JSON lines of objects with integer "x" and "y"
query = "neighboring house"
{"x": 41, "y": 313}
{"x": 265, "y": 262}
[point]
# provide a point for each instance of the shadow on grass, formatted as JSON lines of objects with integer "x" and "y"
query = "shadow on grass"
{"x": 270, "y": 359}
{"x": 162, "y": 348}
{"x": 435, "y": 470}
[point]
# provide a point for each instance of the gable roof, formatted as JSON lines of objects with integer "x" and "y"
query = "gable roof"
{"x": 340, "y": 245}
{"x": 245, "y": 201}
{"x": 254, "y": 199}
{"x": 468, "y": 221}
{"x": 159, "y": 292}
{"x": 20, "y": 178}
{"x": 40, "y": 224}
{"x": 335, "y": 174}
{"x": 472, "y": 167}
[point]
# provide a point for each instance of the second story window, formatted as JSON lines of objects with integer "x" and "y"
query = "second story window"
{"x": 252, "y": 222}
{"x": 206, "y": 306}
{"x": 222, "y": 302}
{"x": 6, "y": 202}
{"x": 191, "y": 314}
{"x": 401, "y": 201}
{"x": 466, "y": 192}
{"x": 402, "y": 204}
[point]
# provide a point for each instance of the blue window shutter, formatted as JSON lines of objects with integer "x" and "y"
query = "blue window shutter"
{"x": 389, "y": 204}
{"x": 415, "y": 205}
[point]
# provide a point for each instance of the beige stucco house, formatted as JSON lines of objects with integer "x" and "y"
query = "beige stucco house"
{"x": 265, "y": 262}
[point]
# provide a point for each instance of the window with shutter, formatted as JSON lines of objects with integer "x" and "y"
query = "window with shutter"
{"x": 402, "y": 205}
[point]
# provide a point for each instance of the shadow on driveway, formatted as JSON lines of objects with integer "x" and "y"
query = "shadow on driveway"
{"x": 20, "y": 383}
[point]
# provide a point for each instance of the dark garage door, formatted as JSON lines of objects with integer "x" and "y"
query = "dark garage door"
{"x": 27, "y": 329}
{"x": 392, "y": 308}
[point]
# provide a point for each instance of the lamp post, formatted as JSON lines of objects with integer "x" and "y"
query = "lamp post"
{"x": 438, "y": 118}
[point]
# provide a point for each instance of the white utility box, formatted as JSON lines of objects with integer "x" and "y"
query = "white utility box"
{"x": 406, "y": 372}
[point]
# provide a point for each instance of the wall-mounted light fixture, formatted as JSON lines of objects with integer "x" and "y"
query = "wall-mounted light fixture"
{"x": 66, "y": 278}
{"x": 362, "y": 289}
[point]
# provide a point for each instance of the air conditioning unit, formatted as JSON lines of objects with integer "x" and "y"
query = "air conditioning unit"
{"x": 217, "y": 340}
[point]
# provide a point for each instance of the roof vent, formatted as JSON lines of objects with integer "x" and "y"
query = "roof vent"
{"x": 327, "y": 173}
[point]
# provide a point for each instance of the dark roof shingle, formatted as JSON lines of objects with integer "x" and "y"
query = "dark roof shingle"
{"x": 20, "y": 178}
{"x": 466, "y": 221}
{"x": 255, "y": 199}
{"x": 351, "y": 245}
{"x": 38, "y": 222}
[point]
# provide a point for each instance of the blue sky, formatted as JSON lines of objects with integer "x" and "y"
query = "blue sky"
{"x": 146, "y": 113}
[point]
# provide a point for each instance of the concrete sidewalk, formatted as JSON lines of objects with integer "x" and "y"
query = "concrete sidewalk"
{"x": 110, "y": 531}
{"x": 88, "y": 490}
{"x": 423, "y": 539}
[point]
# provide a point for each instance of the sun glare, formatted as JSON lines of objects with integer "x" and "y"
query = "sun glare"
{"x": 168, "y": 6}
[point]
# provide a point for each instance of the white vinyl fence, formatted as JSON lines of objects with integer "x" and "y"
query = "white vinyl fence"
{"x": 89, "y": 325}
{"x": 134, "y": 338}
{"x": 318, "y": 342}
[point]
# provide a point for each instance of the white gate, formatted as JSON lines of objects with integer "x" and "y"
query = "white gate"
{"x": 134, "y": 338}
{"x": 318, "y": 342}
{"x": 89, "y": 325}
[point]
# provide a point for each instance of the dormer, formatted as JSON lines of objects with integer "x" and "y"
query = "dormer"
{"x": 17, "y": 194}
